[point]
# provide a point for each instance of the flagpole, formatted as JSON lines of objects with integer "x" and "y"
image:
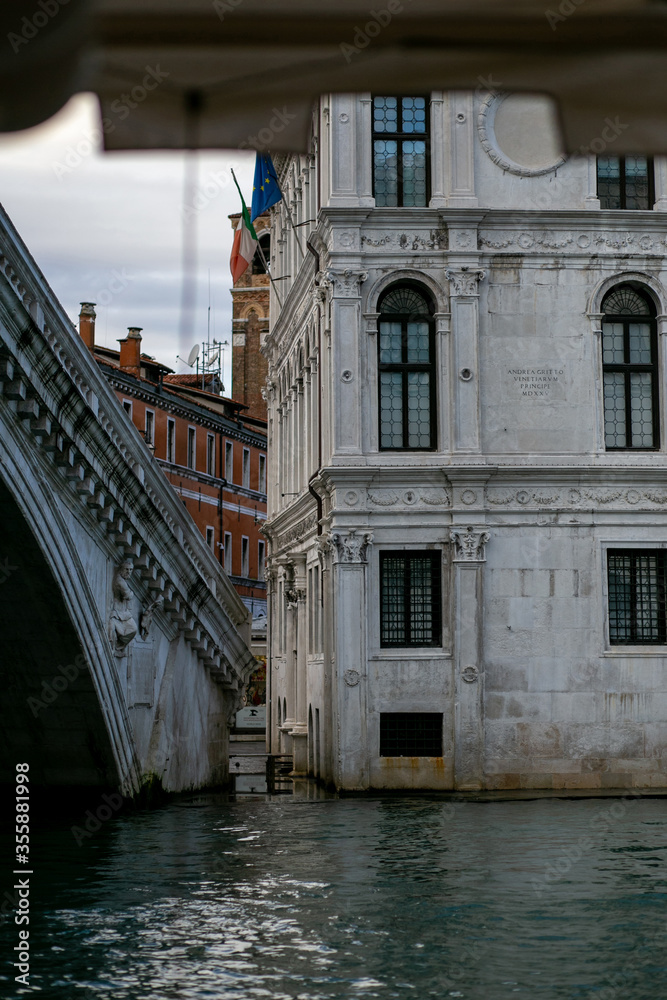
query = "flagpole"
{"x": 261, "y": 252}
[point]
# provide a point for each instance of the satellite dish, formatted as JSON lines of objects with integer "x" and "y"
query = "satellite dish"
{"x": 193, "y": 355}
{"x": 214, "y": 357}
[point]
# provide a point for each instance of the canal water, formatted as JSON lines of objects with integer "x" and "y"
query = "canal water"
{"x": 263, "y": 898}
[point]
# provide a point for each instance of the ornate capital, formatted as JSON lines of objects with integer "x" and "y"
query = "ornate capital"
{"x": 346, "y": 283}
{"x": 465, "y": 280}
{"x": 469, "y": 544}
{"x": 351, "y": 547}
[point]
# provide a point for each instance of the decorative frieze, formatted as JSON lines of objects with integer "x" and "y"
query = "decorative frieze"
{"x": 574, "y": 241}
{"x": 580, "y": 497}
{"x": 437, "y": 239}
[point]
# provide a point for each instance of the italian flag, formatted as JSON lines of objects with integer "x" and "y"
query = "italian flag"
{"x": 245, "y": 243}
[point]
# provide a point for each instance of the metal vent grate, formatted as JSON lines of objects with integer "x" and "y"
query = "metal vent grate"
{"x": 411, "y": 734}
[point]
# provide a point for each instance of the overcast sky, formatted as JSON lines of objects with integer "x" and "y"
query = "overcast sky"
{"x": 108, "y": 228}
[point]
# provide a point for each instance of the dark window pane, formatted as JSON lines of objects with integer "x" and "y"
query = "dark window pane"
{"x": 641, "y": 409}
{"x": 419, "y": 410}
{"x": 609, "y": 181}
{"x": 411, "y": 734}
{"x": 385, "y": 114}
{"x": 393, "y": 600}
{"x": 636, "y": 596}
{"x": 636, "y": 182}
{"x": 410, "y": 600}
{"x": 614, "y": 410}
{"x": 391, "y": 410}
{"x": 391, "y": 341}
{"x": 386, "y": 173}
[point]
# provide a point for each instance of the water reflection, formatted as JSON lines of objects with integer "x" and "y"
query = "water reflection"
{"x": 329, "y": 899}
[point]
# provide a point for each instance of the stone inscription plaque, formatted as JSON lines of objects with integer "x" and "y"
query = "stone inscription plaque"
{"x": 537, "y": 384}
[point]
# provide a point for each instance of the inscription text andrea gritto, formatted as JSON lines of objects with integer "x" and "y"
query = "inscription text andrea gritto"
{"x": 535, "y": 383}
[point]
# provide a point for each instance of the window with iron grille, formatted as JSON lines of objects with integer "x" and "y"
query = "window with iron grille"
{"x": 630, "y": 373}
{"x": 400, "y": 151}
{"x": 410, "y": 599}
{"x": 406, "y": 363}
{"x": 411, "y": 734}
{"x": 625, "y": 182}
{"x": 636, "y": 581}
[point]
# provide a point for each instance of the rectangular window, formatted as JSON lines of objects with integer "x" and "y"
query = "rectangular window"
{"x": 171, "y": 441}
{"x": 210, "y": 454}
{"x": 127, "y": 406}
{"x": 636, "y": 579}
{"x": 400, "y": 151}
{"x": 410, "y": 599}
{"x": 245, "y": 569}
{"x": 228, "y": 552}
{"x": 246, "y": 468}
{"x": 411, "y": 734}
{"x": 625, "y": 182}
{"x": 261, "y": 560}
{"x": 210, "y": 537}
{"x": 262, "y": 474}
{"x": 229, "y": 461}
{"x": 149, "y": 433}
{"x": 192, "y": 447}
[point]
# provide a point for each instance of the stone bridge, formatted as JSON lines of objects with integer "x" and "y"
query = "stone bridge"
{"x": 123, "y": 644}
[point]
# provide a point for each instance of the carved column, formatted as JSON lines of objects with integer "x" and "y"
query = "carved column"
{"x": 469, "y": 557}
{"x": 290, "y": 598}
{"x": 299, "y": 730}
{"x": 464, "y": 295}
{"x": 345, "y": 374}
{"x": 349, "y": 551}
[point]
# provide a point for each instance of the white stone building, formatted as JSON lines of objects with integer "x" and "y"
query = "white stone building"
{"x": 468, "y": 493}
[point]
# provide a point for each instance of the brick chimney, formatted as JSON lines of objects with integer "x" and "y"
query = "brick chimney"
{"x": 130, "y": 351}
{"x": 87, "y": 324}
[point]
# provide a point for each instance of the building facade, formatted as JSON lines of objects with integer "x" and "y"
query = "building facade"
{"x": 212, "y": 453}
{"x": 467, "y": 488}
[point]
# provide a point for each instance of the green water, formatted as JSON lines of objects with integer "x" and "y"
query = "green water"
{"x": 262, "y": 899}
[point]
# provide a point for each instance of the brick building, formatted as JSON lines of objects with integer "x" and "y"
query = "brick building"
{"x": 250, "y": 324}
{"x": 210, "y": 448}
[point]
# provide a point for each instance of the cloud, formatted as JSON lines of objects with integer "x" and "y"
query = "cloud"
{"x": 108, "y": 227}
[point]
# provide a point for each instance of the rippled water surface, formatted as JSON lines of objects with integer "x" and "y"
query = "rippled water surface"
{"x": 261, "y": 899}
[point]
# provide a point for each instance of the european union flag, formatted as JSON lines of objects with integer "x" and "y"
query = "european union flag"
{"x": 265, "y": 190}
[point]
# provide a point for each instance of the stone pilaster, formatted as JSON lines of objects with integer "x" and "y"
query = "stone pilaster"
{"x": 464, "y": 294}
{"x": 349, "y": 550}
{"x": 469, "y": 557}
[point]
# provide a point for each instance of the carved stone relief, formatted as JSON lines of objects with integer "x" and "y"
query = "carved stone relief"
{"x": 465, "y": 281}
{"x": 122, "y": 626}
{"x": 469, "y": 543}
{"x": 351, "y": 547}
{"x": 573, "y": 241}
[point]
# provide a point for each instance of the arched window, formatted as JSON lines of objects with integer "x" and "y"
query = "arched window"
{"x": 406, "y": 362}
{"x": 629, "y": 361}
